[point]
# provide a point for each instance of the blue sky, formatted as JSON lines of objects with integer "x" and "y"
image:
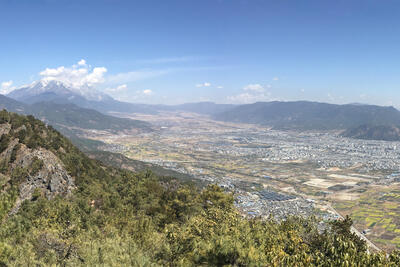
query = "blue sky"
{"x": 236, "y": 51}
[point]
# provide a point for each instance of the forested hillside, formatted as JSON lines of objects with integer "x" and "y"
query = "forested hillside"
{"x": 74, "y": 121}
{"x": 59, "y": 207}
{"x": 372, "y": 132}
{"x": 120, "y": 161}
{"x": 72, "y": 116}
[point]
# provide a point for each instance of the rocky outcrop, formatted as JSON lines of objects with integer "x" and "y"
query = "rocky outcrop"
{"x": 52, "y": 177}
{"x": 31, "y": 165}
{"x": 4, "y": 128}
{"x": 46, "y": 174}
{"x": 38, "y": 169}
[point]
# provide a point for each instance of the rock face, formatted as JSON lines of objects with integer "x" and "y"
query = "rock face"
{"x": 37, "y": 169}
{"x": 5, "y": 129}
{"x": 52, "y": 178}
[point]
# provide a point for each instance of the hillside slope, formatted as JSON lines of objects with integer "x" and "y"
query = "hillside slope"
{"x": 70, "y": 115}
{"x": 304, "y": 115}
{"x": 59, "y": 207}
{"x": 374, "y": 132}
{"x": 73, "y": 120}
{"x": 120, "y": 161}
{"x": 12, "y": 105}
{"x": 30, "y": 159}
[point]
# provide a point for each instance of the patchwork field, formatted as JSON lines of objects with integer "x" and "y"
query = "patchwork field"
{"x": 377, "y": 212}
{"x": 358, "y": 178}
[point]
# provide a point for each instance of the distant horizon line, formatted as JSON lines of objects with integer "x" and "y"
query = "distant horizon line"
{"x": 233, "y": 104}
{"x": 68, "y": 86}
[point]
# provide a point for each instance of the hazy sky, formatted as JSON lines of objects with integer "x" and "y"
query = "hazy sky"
{"x": 234, "y": 51}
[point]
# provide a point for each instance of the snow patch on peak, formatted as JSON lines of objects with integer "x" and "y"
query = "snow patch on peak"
{"x": 80, "y": 80}
{"x": 45, "y": 82}
{"x": 60, "y": 88}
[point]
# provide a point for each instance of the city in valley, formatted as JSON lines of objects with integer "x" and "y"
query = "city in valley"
{"x": 199, "y": 133}
{"x": 278, "y": 173}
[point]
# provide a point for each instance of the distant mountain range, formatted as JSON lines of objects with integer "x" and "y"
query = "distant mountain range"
{"x": 304, "y": 115}
{"x": 61, "y": 93}
{"x": 50, "y": 90}
{"x": 64, "y": 106}
{"x": 70, "y": 118}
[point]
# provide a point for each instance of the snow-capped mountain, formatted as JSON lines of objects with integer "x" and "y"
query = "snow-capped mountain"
{"x": 63, "y": 93}
{"x": 50, "y": 90}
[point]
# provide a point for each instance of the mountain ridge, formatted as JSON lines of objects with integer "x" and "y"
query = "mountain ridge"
{"x": 59, "y": 92}
{"x": 28, "y": 93}
{"x": 292, "y": 115}
{"x": 307, "y": 115}
{"x": 73, "y": 116}
{"x": 71, "y": 119}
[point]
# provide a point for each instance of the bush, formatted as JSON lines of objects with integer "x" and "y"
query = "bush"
{"x": 4, "y": 142}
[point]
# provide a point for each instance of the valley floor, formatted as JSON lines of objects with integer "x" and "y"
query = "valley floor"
{"x": 278, "y": 173}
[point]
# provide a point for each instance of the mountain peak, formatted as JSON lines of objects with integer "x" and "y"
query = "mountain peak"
{"x": 50, "y": 89}
{"x": 50, "y": 82}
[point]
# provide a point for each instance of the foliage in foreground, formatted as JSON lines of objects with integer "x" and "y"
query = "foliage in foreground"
{"x": 119, "y": 218}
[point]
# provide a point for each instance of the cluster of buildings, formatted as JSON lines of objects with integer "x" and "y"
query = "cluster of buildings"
{"x": 325, "y": 149}
{"x": 253, "y": 147}
{"x": 273, "y": 205}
